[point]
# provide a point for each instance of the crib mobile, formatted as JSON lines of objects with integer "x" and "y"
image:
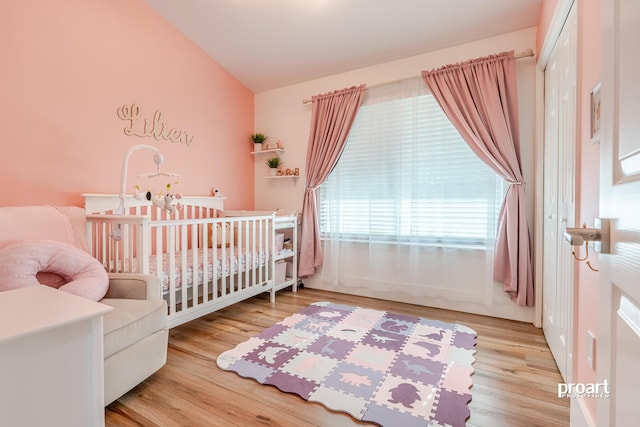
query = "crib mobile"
{"x": 165, "y": 201}
{"x": 168, "y": 202}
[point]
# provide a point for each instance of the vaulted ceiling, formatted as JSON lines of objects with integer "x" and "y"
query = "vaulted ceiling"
{"x": 267, "y": 44}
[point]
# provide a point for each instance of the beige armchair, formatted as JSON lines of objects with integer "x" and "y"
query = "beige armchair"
{"x": 135, "y": 332}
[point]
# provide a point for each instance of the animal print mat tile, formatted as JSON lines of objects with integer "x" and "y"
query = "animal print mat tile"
{"x": 387, "y": 368}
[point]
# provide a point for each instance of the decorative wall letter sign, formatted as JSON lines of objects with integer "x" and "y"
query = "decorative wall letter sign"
{"x": 155, "y": 128}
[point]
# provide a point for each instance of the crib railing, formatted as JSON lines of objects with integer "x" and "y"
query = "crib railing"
{"x": 116, "y": 241}
{"x": 203, "y": 263}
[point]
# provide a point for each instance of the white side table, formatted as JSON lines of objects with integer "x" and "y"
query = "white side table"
{"x": 51, "y": 359}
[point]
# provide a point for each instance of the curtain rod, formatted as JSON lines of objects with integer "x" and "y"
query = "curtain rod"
{"x": 528, "y": 53}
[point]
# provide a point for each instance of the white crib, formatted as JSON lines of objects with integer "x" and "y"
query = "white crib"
{"x": 204, "y": 260}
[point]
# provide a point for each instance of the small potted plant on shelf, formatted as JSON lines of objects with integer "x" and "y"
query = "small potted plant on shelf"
{"x": 258, "y": 139}
{"x": 273, "y": 163}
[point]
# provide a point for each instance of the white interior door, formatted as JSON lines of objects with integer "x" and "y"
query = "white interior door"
{"x": 618, "y": 349}
{"x": 559, "y": 195}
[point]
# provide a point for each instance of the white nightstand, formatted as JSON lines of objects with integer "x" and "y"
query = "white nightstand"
{"x": 51, "y": 358}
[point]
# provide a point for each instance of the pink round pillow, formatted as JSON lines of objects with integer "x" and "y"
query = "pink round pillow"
{"x": 82, "y": 274}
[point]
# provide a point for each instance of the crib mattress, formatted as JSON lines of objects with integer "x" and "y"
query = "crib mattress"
{"x": 215, "y": 267}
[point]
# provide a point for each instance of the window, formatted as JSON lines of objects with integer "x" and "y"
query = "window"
{"x": 406, "y": 176}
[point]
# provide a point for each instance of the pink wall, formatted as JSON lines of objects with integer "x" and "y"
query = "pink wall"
{"x": 547, "y": 10}
{"x": 66, "y": 68}
{"x": 589, "y": 50}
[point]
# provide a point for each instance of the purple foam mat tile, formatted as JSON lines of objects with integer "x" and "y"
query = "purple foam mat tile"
{"x": 464, "y": 340}
{"x": 291, "y": 384}
{"x": 354, "y": 379}
{"x": 273, "y": 331}
{"x": 418, "y": 369}
{"x": 388, "y": 417}
{"x": 271, "y": 354}
{"x": 248, "y": 369}
{"x": 385, "y": 339}
{"x": 395, "y": 325}
{"x": 331, "y": 347}
{"x": 452, "y": 408}
{"x": 341, "y": 401}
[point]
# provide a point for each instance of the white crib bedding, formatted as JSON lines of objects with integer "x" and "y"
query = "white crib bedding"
{"x": 233, "y": 264}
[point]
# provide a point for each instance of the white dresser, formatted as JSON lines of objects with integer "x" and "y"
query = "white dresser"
{"x": 51, "y": 358}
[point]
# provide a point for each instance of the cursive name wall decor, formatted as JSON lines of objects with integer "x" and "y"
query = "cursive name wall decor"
{"x": 155, "y": 127}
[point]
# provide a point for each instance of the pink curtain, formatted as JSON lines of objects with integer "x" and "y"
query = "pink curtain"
{"x": 480, "y": 99}
{"x": 332, "y": 115}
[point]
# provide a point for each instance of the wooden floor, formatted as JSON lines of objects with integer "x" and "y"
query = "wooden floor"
{"x": 514, "y": 384}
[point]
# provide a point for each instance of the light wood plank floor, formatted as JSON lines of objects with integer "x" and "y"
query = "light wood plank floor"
{"x": 514, "y": 384}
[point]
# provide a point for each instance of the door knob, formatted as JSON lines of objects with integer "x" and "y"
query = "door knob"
{"x": 577, "y": 236}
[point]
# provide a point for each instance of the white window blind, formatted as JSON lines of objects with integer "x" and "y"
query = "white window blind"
{"x": 407, "y": 176}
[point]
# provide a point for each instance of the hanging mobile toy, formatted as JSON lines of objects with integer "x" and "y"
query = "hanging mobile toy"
{"x": 139, "y": 195}
{"x": 162, "y": 200}
{"x": 167, "y": 202}
{"x": 116, "y": 233}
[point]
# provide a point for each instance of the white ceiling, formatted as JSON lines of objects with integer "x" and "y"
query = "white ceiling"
{"x": 267, "y": 44}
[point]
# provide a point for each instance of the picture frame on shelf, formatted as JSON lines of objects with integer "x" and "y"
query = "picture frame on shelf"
{"x": 595, "y": 114}
{"x": 271, "y": 143}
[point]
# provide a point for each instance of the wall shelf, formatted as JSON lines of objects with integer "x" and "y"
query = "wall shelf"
{"x": 273, "y": 150}
{"x": 277, "y": 152}
{"x": 282, "y": 176}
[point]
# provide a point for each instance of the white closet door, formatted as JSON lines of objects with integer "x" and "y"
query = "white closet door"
{"x": 559, "y": 194}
